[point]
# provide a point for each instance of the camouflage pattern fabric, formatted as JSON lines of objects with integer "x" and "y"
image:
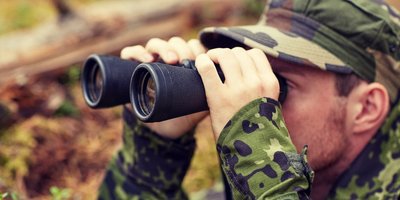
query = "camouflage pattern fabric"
{"x": 148, "y": 166}
{"x": 151, "y": 167}
{"x": 363, "y": 39}
{"x": 258, "y": 157}
{"x": 381, "y": 179}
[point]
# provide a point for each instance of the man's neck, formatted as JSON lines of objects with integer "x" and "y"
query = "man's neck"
{"x": 324, "y": 179}
{"x": 323, "y": 182}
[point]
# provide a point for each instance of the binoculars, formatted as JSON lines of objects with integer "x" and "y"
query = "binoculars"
{"x": 157, "y": 91}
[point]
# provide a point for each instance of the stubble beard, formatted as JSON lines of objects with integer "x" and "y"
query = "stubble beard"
{"x": 333, "y": 139}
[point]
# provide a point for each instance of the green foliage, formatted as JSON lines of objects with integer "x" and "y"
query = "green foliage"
{"x": 70, "y": 79}
{"x": 6, "y": 116}
{"x": 14, "y": 196}
{"x": 22, "y": 14}
{"x": 25, "y": 13}
{"x": 59, "y": 193}
{"x": 67, "y": 109}
{"x": 74, "y": 74}
{"x": 71, "y": 76}
{"x": 3, "y": 196}
{"x": 6, "y": 196}
{"x": 16, "y": 144}
{"x": 204, "y": 171}
{"x": 253, "y": 8}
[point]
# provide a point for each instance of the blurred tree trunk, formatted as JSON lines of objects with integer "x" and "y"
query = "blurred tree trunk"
{"x": 63, "y": 9}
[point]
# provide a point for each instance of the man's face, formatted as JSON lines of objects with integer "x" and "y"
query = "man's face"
{"x": 314, "y": 113}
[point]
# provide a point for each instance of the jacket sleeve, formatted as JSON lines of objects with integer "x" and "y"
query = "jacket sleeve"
{"x": 148, "y": 166}
{"x": 258, "y": 157}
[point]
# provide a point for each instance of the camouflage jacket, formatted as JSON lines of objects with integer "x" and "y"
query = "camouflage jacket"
{"x": 151, "y": 167}
{"x": 381, "y": 178}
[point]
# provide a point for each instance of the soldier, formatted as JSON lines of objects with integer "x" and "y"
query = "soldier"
{"x": 341, "y": 61}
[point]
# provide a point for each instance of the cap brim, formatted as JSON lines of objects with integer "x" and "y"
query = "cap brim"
{"x": 280, "y": 44}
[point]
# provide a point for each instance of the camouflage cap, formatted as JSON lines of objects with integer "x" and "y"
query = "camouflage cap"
{"x": 342, "y": 36}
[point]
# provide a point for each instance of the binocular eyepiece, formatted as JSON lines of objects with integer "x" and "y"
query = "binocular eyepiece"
{"x": 157, "y": 91}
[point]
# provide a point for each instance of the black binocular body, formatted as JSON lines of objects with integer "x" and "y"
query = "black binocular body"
{"x": 157, "y": 91}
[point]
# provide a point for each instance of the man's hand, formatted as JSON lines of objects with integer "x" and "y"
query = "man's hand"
{"x": 248, "y": 76}
{"x": 171, "y": 52}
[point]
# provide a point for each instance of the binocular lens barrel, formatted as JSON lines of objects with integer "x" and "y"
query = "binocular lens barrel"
{"x": 160, "y": 91}
{"x": 105, "y": 80}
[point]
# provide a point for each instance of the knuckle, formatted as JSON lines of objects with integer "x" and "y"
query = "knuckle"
{"x": 129, "y": 51}
{"x": 238, "y": 49}
{"x": 153, "y": 41}
{"x": 214, "y": 51}
{"x": 256, "y": 51}
{"x": 201, "y": 63}
{"x": 225, "y": 53}
{"x": 204, "y": 68}
{"x": 175, "y": 39}
{"x": 196, "y": 47}
{"x": 226, "y": 50}
{"x": 194, "y": 41}
{"x": 137, "y": 48}
{"x": 124, "y": 52}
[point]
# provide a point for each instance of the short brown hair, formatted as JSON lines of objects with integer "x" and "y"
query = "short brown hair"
{"x": 345, "y": 83}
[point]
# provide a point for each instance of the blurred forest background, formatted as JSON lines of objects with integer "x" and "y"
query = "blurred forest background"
{"x": 52, "y": 146}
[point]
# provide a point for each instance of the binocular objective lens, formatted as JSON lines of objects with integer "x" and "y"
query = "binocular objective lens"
{"x": 96, "y": 83}
{"x": 147, "y": 95}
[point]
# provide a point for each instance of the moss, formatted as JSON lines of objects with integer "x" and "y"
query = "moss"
{"x": 16, "y": 144}
{"x": 67, "y": 109}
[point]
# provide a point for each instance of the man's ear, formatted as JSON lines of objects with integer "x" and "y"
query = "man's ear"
{"x": 370, "y": 107}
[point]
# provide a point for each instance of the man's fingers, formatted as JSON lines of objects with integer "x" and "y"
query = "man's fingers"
{"x": 181, "y": 48}
{"x": 247, "y": 65}
{"x": 196, "y": 47}
{"x": 266, "y": 75}
{"x": 163, "y": 49}
{"x": 172, "y": 51}
{"x": 136, "y": 53}
{"x": 208, "y": 73}
{"x": 261, "y": 61}
{"x": 228, "y": 63}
